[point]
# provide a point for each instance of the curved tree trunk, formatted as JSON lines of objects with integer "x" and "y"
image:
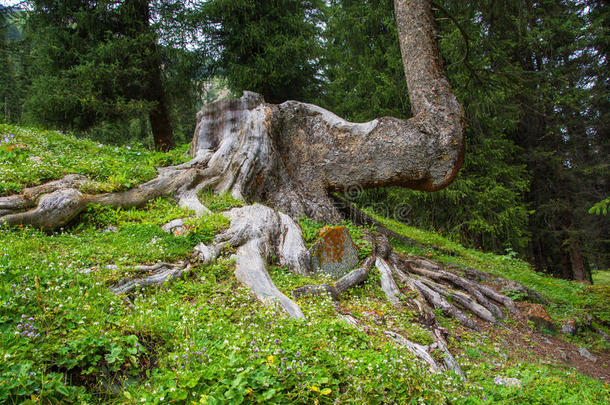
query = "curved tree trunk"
{"x": 293, "y": 156}
{"x": 296, "y": 154}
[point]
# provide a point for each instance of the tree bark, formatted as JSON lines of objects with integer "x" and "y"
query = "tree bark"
{"x": 163, "y": 136}
{"x": 137, "y": 24}
{"x": 579, "y": 271}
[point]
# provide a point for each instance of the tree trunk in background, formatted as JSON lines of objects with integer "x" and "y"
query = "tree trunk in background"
{"x": 566, "y": 264}
{"x": 579, "y": 271}
{"x": 138, "y": 25}
{"x": 159, "y": 115}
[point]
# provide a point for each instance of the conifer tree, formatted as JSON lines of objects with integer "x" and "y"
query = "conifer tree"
{"x": 270, "y": 47}
{"x": 99, "y": 62}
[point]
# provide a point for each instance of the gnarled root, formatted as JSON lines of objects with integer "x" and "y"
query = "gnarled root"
{"x": 430, "y": 286}
{"x": 53, "y": 205}
{"x": 335, "y": 290}
{"x": 156, "y": 274}
{"x": 258, "y": 233}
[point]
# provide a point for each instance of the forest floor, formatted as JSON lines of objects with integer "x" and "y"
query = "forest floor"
{"x": 601, "y": 277}
{"x": 66, "y": 338}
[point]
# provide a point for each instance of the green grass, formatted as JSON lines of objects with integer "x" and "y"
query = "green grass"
{"x": 65, "y": 338}
{"x": 31, "y": 156}
{"x": 219, "y": 202}
{"x": 601, "y": 277}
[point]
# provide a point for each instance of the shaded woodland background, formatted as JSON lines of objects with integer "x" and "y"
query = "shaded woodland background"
{"x": 532, "y": 77}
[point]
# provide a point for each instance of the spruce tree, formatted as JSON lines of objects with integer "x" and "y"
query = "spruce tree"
{"x": 100, "y": 62}
{"x": 270, "y": 47}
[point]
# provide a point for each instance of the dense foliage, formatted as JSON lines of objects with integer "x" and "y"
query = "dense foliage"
{"x": 552, "y": 58}
{"x": 106, "y": 67}
{"x": 270, "y": 47}
{"x": 13, "y": 76}
{"x": 531, "y": 77}
{"x": 484, "y": 206}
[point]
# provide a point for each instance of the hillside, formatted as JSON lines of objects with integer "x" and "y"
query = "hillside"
{"x": 203, "y": 338}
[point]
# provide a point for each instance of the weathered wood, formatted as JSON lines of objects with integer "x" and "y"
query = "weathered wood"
{"x": 355, "y": 277}
{"x": 257, "y": 233}
{"x": 461, "y": 299}
{"x": 160, "y": 273}
{"x": 388, "y": 285}
{"x": 436, "y": 273}
{"x": 439, "y": 302}
{"x": 448, "y": 358}
{"x": 418, "y": 350}
{"x": 349, "y": 280}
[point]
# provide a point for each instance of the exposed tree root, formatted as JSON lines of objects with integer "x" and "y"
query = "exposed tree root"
{"x": 156, "y": 274}
{"x": 423, "y": 279}
{"x": 258, "y": 233}
{"x": 349, "y": 280}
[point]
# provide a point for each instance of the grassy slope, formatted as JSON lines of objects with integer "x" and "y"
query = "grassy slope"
{"x": 32, "y": 156}
{"x": 203, "y": 339}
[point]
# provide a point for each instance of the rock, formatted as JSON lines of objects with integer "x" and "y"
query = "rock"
{"x": 519, "y": 292}
{"x": 541, "y": 319}
{"x": 110, "y": 228}
{"x": 587, "y": 354}
{"x": 176, "y": 227}
{"x": 334, "y": 253}
{"x": 508, "y": 381}
{"x": 570, "y": 327}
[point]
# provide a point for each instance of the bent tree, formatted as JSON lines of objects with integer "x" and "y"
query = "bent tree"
{"x": 291, "y": 158}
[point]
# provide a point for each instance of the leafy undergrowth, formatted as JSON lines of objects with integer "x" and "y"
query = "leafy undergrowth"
{"x": 31, "y": 156}
{"x": 203, "y": 339}
{"x": 65, "y": 338}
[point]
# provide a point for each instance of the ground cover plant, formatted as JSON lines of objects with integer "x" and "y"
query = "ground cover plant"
{"x": 32, "y": 156}
{"x": 202, "y": 338}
